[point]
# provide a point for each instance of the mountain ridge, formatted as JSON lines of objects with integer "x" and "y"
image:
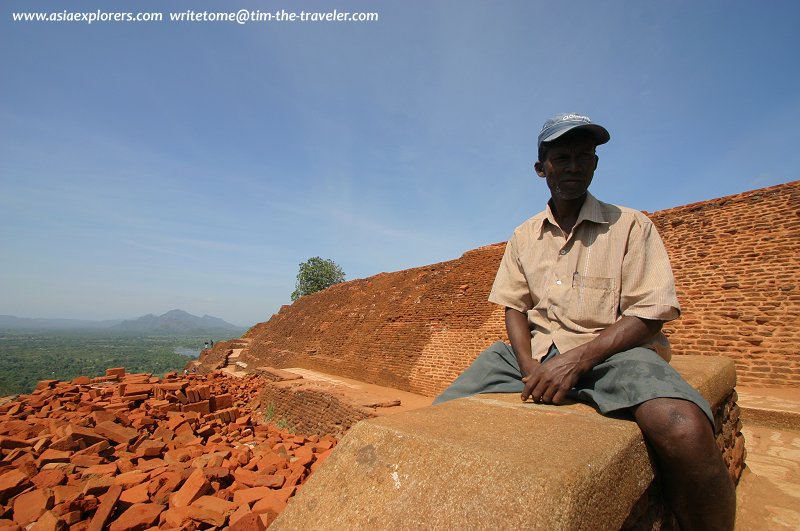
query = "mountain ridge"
{"x": 172, "y": 322}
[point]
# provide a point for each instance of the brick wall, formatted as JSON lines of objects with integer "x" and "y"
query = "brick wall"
{"x": 735, "y": 262}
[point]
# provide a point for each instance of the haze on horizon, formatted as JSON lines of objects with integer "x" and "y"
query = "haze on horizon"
{"x": 146, "y": 167}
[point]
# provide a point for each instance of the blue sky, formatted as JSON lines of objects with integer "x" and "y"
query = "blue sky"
{"x": 146, "y": 167}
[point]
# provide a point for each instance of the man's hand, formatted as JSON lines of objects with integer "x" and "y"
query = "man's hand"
{"x": 550, "y": 382}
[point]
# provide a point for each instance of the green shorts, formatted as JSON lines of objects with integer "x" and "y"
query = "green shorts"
{"x": 624, "y": 380}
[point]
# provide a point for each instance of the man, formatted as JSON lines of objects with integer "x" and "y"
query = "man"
{"x": 586, "y": 287}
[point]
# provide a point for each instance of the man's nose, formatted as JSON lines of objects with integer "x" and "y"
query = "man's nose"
{"x": 573, "y": 164}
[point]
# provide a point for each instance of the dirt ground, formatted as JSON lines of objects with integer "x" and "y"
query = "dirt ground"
{"x": 768, "y": 495}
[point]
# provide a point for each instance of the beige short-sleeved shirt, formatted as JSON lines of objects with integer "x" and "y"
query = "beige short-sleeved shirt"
{"x": 612, "y": 264}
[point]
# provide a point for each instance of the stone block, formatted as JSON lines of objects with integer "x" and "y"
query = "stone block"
{"x": 446, "y": 462}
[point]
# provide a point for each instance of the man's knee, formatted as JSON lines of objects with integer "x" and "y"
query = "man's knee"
{"x": 674, "y": 426}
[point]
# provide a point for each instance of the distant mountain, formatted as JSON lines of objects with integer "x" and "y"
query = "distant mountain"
{"x": 177, "y": 322}
{"x": 9, "y": 322}
{"x": 171, "y": 323}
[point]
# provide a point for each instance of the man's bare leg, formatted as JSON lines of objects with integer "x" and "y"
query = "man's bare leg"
{"x": 693, "y": 474}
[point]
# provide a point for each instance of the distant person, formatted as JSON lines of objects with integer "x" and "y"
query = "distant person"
{"x": 211, "y": 343}
{"x": 205, "y": 345}
{"x": 586, "y": 287}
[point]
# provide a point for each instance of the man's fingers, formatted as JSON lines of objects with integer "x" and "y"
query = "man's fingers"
{"x": 528, "y": 388}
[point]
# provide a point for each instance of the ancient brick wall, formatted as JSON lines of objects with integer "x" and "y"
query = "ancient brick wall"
{"x": 413, "y": 330}
{"x": 735, "y": 262}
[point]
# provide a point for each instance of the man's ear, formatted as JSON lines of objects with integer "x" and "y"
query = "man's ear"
{"x": 539, "y": 167}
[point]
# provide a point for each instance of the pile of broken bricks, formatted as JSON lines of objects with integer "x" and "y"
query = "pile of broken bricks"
{"x": 129, "y": 452}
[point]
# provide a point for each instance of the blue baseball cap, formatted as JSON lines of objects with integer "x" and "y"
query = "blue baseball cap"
{"x": 561, "y": 123}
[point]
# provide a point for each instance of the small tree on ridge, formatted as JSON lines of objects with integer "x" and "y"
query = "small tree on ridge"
{"x": 315, "y": 275}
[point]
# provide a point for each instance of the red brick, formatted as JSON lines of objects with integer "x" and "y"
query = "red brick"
{"x": 250, "y": 495}
{"x": 135, "y": 494}
{"x": 150, "y": 448}
{"x": 195, "y": 486}
{"x": 29, "y": 506}
{"x": 54, "y": 456}
{"x": 115, "y": 432}
{"x": 137, "y": 517}
{"x": 222, "y": 401}
{"x": 48, "y": 522}
{"x": 106, "y": 508}
{"x": 11, "y": 483}
{"x": 119, "y": 372}
{"x": 248, "y": 522}
{"x": 49, "y": 478}
{"x": 87, "y": 435}
{"x": 8, "y": 443}
{"x": 274, "y": 502}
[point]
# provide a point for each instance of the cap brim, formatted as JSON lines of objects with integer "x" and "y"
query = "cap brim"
{"x": 600, "y": 133}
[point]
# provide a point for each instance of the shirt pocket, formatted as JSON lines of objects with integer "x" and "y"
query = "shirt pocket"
{"x": 595, "y": 301}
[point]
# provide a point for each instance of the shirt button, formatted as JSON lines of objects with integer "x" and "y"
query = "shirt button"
{"x": 558, "y": 282}
{"x": 563, "y": 251}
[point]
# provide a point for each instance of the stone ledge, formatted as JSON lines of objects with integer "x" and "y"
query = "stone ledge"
{"x": 491, "y": 461}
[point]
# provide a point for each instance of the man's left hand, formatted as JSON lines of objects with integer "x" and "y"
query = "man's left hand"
{"x": 549, "y": 382}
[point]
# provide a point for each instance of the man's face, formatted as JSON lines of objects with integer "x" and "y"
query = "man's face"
{"x": 569, "y": 167}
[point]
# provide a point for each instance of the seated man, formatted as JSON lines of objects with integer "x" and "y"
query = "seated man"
{"x": 586, "y": 287}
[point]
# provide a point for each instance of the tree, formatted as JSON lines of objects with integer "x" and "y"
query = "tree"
{"x": 315, "y": 275}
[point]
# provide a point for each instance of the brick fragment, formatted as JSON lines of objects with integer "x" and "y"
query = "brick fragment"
{"x": 12, "y": 483}
{"x": 49, "y": 522}
{"x": 222, "y": 401}
{"x": 116, "y": 432}
{"x": 137, "y": 517}
{"x": 49, "y": 478}
{"x": 135, "y": 494}
{"x": 119, "y": 372}
{"x": 195, "y": 486}
{"x": 8, "y": 443}
{"x": 249, "y": 521}
{"x": 150, "y": 448}
{"x": 104, "y": 510}
{"x": 29, "y": 506}
{"x": 250, "y": 495}
{"x": 87, "y": 435}
{"x": 54, "y": 456}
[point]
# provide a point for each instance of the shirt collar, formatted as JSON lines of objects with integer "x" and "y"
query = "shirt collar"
{"x": 592, "y": 210}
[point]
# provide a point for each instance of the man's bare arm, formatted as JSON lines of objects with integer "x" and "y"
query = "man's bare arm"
{"x": 519, "y": 333}
{"x": 550, "y": 382}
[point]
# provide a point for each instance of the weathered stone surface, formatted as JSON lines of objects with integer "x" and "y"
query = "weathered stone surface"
{"x": 398, "y": 462}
